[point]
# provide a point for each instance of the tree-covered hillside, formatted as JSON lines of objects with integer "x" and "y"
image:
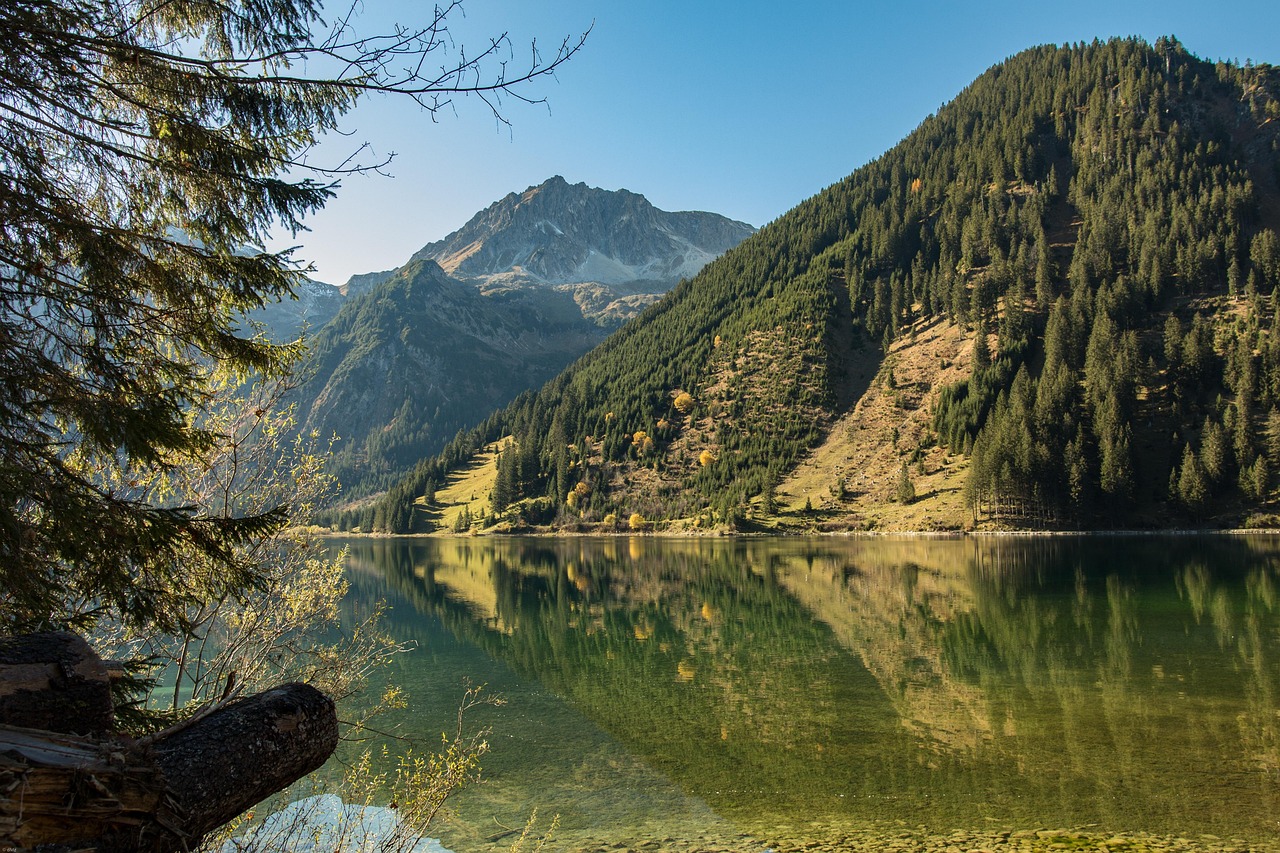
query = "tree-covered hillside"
{"x": 418, "y": 354}
{"x": 403, "y": 367}
{"x": 1100, "y": 219}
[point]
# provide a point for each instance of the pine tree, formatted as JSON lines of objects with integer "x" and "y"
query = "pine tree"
{"x": 503, "y": 493}
{"x": 1213, "y": 451}
{"x": 1172, "y": 341}
{"x": 1273, "y": 436}
{"x": 769, "y": 494}
{"x": 1259, "y": 479}
{"x": 462, "y": 521}
{"x": 1193, "y": 486}
{"x": 143, "y": 148}
{"x": 981, "y": 348}
{"x": 906, "y": 490}
{"x": 1044, "y": 273}
{"x": 1079, "y": 476}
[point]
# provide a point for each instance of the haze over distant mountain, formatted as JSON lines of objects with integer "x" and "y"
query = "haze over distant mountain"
{"x": 402, "y": 359}
{"x": 313, "y": 305}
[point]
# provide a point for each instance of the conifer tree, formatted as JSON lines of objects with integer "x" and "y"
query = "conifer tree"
{"x": 906, "y": 490}
{"x": 1213, "y": 451}
{"x": 981, "y": 348}
{"x": 1193, "y": 486}
{"x": 503, "y": 492}
{"x": 146, "y": 148}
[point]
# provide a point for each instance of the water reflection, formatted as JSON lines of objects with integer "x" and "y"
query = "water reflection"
{"x": 966, "y": 683}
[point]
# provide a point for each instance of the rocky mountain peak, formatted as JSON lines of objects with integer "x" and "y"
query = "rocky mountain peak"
{"x": 557, "y": 233}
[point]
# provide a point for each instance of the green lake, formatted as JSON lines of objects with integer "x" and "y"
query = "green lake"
{"x": 804, "y": 688}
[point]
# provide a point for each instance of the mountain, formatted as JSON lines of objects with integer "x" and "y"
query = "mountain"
{"x": 612, "y": 250}
{"x": 1051, "y": 305}
{"x": 420, "y": 357}
{"x": 313, "y": 305}
{"x": 401, "y": 360}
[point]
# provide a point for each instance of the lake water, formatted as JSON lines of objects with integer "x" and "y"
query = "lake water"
{"x": 806, "y": 688}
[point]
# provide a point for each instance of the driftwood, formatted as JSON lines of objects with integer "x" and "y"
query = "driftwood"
{"x": 102, "y": 792}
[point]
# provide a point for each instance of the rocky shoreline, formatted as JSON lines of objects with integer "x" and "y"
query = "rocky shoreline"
{"x": 961, "y": 841}
{"x": 1026, "y": 840}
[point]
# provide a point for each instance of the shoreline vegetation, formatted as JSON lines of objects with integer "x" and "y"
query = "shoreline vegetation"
{"x": 828, "y": 534}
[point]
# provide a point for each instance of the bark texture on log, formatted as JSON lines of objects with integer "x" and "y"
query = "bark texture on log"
{"x": 117, "y": 795}
{"x": 55, "y": 682}
{"x": 246, "y": 752}
{"x": 107, "y": 793}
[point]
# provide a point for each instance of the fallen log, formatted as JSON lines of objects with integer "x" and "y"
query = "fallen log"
{"x": 224, "y": 763}
{"x": 72, "y": 792}
{"x": 54, "y": 681}
{"x": 104, "y": 792}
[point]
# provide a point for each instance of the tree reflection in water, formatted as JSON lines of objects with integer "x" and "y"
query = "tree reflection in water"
{"x": 1129, "y": 682}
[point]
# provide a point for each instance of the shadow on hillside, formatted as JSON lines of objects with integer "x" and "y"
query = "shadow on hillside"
{"x": 427, "y": 519}
{"x": 854, "y": 359}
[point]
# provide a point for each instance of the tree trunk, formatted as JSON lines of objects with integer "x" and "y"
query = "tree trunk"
{"x": 73, "y": 792}
{"x": 54, "y": 681}
{"x": 106, "y": 793}
{"x": 226, "y": 762}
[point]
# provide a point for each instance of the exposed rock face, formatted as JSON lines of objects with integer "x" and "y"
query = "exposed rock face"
{"x": 405, "y": 366}
{"x": 613, "y": 250}
{"x": 609, "y": 253}
{"x": 558, "y": 233}
{"x": 314, "y": 305}
{"x": 364, "y": 282}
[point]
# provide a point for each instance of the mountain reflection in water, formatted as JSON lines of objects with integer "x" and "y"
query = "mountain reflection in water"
{"x": 658, "y": 686}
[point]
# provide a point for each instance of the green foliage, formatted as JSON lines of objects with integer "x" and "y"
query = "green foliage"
{"x": 1090, "y": 206}
{"x": 374, "y": 372}
{"x": 282, "y": 629}
{"x": 143, "y": 148}
{"x": 905, "y": 491}
{"x": 131, "y": 180}
{"x": 1192, "y": 482}
{"x": 418, "y": 786}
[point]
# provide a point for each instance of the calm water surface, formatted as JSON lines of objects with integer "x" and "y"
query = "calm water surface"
{"x": 802, "y": 687}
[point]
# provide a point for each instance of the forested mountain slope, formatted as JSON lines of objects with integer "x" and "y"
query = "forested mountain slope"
{"x": 1093, "y": 225}
{"x": 419, "y": 357}
{"x": 401, "y": 360}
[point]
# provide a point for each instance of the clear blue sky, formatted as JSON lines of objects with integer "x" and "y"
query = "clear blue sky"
{"x": 742, "y": 108}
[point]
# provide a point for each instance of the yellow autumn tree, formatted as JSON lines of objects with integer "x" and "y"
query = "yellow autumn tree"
{"x": 576, "y": 494}
{"x": 684, "y": 402}
{"x": 642, "y": 442}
